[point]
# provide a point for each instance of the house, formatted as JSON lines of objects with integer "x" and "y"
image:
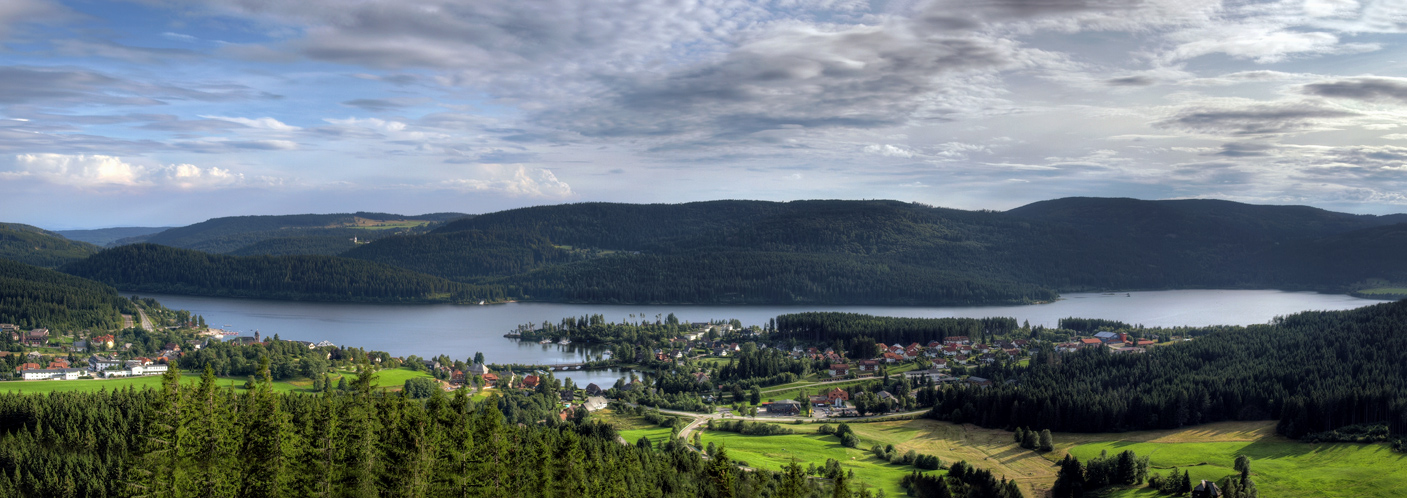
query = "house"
{"x": 837, "y": 397}
{"x": 456, "y": 377}
{"x": 594, "y": 403}
{"x": 27, "y": 366}
{"x": 932, "y": 374}
{"x": 1206, "y": 489}
{"x": 52, "y": 373}
{"x": 869, "y": 366}
{"x": 490, "y": 379}
{"x": 839, "y": 369}
{"x": 79, "y": 346}
{"x": 950, "y": 350}
{"x": 567, "y": 396}
{"x": 37, "y": 337}
{"x": 59, "y": 363}
{"x": 934, "y": 344}
{"x": 478, "y": 369}
{"x": 530, "y": 381}
{"x": 325, "y": 344}
{"x": 9, "y": 327}
{"x": 1091, "y": 343}
{"x": 593, "y": 390}
{"x": 105, "y": 340}
{"x": 1145, "y": 342}
{"x": 783, "y": 407}
{"x": 893, "y": 358}
{"x": 1111, "y": 337}
{"x": 956, "y": 340}
{"x": 979, "y": 381}
{"x": 100, "y": 363}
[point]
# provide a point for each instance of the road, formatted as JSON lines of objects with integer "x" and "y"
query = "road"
{"x": 126, "y": 321}
{"x": 146, "y": 322}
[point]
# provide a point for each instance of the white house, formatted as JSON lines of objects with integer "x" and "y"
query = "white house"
{"x": 53, "y": 373}
{"x": 100, "y": 363}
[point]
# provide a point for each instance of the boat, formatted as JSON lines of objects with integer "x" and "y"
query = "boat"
{"x": 565, "y": 341}
{"x": 481, "y": 303}
{"x": 545, "y": 341}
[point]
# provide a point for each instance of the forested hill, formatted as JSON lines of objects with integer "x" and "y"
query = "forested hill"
{"x": 105, "y": 236}
{"x": 1313, "y": 371}
{"x": 35, "y": 246}
{"x": 36, "y": 297}
{"x": 833, "y": 251}
{"x": 154, "y": 268}
{"x": 230, "y": 234}
{"x": 900, "y": 253}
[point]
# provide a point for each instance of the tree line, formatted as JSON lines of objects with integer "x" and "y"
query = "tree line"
{"x": 1313, "y": 372}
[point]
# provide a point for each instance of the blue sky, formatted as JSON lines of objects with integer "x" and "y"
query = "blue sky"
{"x": 162, "y": 112}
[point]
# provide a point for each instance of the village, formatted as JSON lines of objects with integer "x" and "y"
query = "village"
{"x": 840, "y": 385}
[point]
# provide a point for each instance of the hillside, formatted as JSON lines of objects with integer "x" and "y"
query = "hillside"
{"x": 1282, "y": 370}
{"x": 36, "y": 297}
{"x": 234, "y": 233}
{"x": 838, "y": 252}
{"x": 899, "y": 253}
{"x": 154, "y": 268}
{"x": 35, "y": 246}
{"x": 105, "y": 236}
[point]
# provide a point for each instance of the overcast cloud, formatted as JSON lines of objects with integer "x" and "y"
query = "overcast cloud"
{"x": 160, "y": 112}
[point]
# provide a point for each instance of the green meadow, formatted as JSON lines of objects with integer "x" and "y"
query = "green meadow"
{"x": 1280, "y": 467}
{"x": 775, "y": 452}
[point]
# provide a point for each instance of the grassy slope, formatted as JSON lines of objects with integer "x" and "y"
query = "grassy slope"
{"x": 775, "y": 452}
{"x": 1281, "y": 467}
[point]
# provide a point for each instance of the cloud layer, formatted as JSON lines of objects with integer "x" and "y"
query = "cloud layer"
{"x": 459, "y": 105}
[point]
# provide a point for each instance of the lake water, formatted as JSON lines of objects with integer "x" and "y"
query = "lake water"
{"x": 461, "y": 330}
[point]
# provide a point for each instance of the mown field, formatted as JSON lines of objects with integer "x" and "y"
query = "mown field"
{"x": 807, "y": 447}
{"x": 632, "y": 428}
{"x": 1280, "y": 467}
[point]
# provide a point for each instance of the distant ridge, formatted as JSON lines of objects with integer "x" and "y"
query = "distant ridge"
{"x": 834, "y": 251}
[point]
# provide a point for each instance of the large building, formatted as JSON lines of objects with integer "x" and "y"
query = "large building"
{"x": 53, "y": 373}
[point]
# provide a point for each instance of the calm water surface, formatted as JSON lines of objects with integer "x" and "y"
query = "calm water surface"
{"x": 461, "y": 330}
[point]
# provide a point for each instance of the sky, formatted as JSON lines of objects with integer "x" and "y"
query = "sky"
{"x": 155, "y": 112}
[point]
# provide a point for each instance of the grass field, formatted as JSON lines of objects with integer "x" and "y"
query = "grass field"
{"x": 1280, "y": 467}
{"x": 775, "y": 452}
{"x": 632, "y": 428}
{"x": 387, "y": 379}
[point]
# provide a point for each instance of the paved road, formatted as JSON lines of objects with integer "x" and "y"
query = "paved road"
{"x": 126, "y": 321}
{"x": 146, "y": 322}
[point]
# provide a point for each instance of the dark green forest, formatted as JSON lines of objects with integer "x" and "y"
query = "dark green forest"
{"x": 1312, "y": 371}
{"x": 38, "y": 247}
{"x": 823, "y": 251}
{"x": 236, "y": 233}
{"x": 202, "y": 440}
{"x": 154, "y": 268}
{"x": 32, "y": 297}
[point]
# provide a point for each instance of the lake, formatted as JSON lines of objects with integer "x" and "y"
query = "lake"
{"x": 460, "y": 330}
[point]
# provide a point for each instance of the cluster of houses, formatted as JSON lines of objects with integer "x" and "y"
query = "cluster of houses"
{"x": 1117, "y": 342}
{"x": 957, "y": 349}
{"x": 98, "y": 366}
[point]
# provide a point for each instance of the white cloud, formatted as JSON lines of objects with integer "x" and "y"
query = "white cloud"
{"x": 889, "y": 150}
{"x": 264, "y": 123}
{"x": 99, "y": 171}
{"x": 514, "y": 180}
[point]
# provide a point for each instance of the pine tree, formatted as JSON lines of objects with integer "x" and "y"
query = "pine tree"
{"x": 264, "y": 435}
{"x": 1047, "y": 443}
